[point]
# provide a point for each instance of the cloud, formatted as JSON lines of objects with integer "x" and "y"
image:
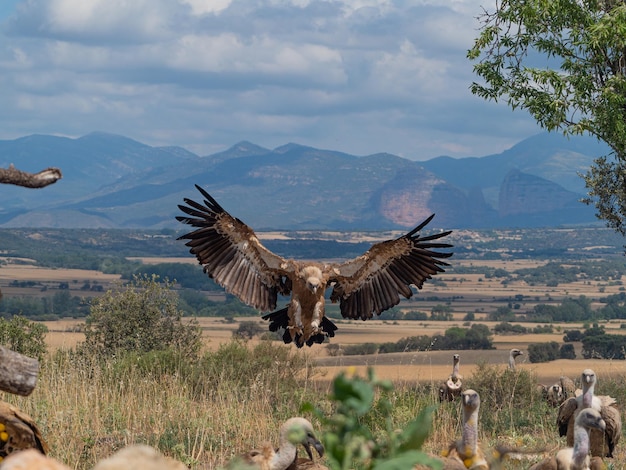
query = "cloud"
{"x": 360, "y": 76}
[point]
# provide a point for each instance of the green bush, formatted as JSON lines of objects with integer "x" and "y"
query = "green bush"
{"x": 514, "y": 405}
{"x": 352, "y": 442}
{"x": 23, "y": 336}
{"x": 248, "y": 330}
{"x": 359, "y": 349}
{"x": 543, "y": 352}
{"x": 140, "y": 316}
{"x": 567, "y": 351}
{"x": 237, "y": 369}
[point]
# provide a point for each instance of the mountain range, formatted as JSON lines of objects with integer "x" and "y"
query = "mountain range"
{"x": 115, "y": 182}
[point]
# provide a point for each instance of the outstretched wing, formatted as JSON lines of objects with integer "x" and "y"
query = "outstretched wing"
{"x": 232, "y": 254}
{"x": 370, "y": 284}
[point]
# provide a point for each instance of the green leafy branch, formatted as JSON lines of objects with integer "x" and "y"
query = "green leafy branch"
{"x": 351, "y": 444}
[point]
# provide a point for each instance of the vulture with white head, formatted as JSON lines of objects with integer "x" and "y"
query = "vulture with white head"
{"x": 576, "y": 457}
{"x": 294, "y": 431}
{"x": 365, "y": 286}
{"x": 602, "y": 442}
{"x": 554, "y": 395}
{"x": 465, "y": 453}
{"x": 512, "y": 356}
{"x": 452, "y": 387}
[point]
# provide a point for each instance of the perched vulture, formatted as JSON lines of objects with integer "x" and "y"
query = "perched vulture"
{"x": 560, "y": 391}
{"x": 294, "y": 431}
{"x": 18, "y": 432}
{"x": 576, "y": 457}
{"x": 451, "y": 388}
{"x": 365, "y": 286}
{"x": 464, "y": 453}
{"x": 554, "y": 395}
{"x": 303, "y": 463}
{"x": 602, "y": 442}
{"x": 568, "y": 387}
{"x": 512, "y": 355}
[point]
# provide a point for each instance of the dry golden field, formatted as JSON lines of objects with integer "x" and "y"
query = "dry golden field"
{"x": 472, "y": 293}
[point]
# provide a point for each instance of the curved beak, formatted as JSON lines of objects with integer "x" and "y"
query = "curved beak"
{"x": 311, "y": 441}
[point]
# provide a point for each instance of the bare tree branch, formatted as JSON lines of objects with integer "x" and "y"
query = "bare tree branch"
{"x": 44, "y": 178}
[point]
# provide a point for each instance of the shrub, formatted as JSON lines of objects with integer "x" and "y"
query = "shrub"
{"x": 572, "y": 335}
{"x": 352, "y": 442}
{"x": 141, "y": 316}
{"x": 267, "y": 368}
{"x": 604, "y": 346}
{"x": 543, "y": 352}
{"x": 511, "y": 397}
{"x": 23, "y": 336}
{"x": 359, "y": 349}
{"x": 248, "y": 329}
{"x": 505, "y": 327}
{"x": 567, "y": 351}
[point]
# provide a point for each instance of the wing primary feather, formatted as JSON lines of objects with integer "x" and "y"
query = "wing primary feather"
{"x": 434, "y": 236}
{"x": 420, "y": 226}
{"x": 202, "y": 211}
{"x": 210, "y": 201}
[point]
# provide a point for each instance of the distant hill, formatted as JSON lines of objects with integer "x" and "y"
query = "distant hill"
{"x": 116, "y": 182}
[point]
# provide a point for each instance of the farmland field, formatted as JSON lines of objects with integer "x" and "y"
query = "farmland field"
{"x": 152, "y": 411}
{"x": 472, "y": 292}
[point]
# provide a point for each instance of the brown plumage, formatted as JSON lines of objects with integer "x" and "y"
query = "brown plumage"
{"x": 554, "y": 395}
{"x": 365, "y": 286}
{"x": 602, "y": 442}
{"x": 452, "y": 387}
{"x": 576, "y": 457}
{"x": 568, "y": 387}
{"x": 560, "y": 391}
{"x": 294, "y": 431}
{"x": 18, "y": 432}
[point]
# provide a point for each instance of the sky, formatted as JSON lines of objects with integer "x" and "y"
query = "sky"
{"x": 357, "y": 76}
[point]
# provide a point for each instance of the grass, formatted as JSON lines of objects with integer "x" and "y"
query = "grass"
{"x": 230, "y": 400}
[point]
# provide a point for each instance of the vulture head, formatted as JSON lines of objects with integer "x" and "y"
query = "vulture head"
{"x": 300, "y": 431}
{"x": 589, "y": 418}
{"x": 588, "y": 377}
{"x": 313, "y": 278}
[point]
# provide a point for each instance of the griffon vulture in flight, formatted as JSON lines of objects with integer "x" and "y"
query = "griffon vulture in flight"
{"x": 365, "y": 286}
